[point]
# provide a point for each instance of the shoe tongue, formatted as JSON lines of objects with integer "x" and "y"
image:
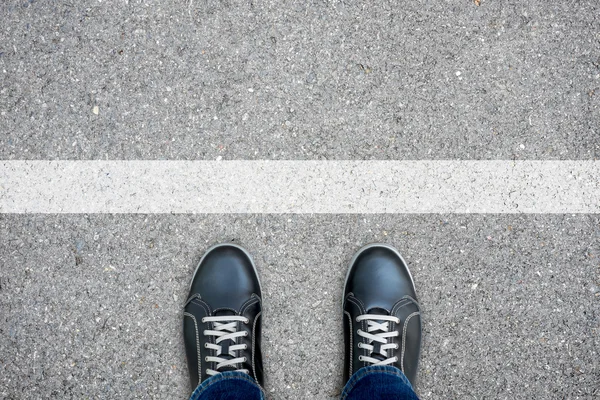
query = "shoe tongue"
{"x": 223, "y": 313}
{"x": 378, "y": 311}
{"x": 377, "y": 346}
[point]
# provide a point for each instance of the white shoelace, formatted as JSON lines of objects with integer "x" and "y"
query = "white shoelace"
{"x": 381, "y": 338}
{"x": 225, "y": 328}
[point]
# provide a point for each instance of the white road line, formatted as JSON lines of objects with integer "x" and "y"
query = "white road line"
{"x": 299, "y": 186}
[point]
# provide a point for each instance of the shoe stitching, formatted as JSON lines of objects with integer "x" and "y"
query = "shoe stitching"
{"x": 250, "y": 302}
{"x": 202, "y": 304}
{"x": 392, "y": 328}
{"x": 404, "y": 337}
{"x": 414, "y": 301}
{"x": 357, "y": 301}
{"x": 186, "y": 314}
{"x": 198, "y": 301}
{"x": 350, "y": 335}
{"x": 404, "y": 301}
{"x": 193, "y": 297}
{"x": 254, "y": 345}
{"x": 211, "y": 340}
{"x": 252, "y": 299}
{"x": 255, "y": 300}
{"x": 401, "y": 303}
{"x": 361, "y": 308}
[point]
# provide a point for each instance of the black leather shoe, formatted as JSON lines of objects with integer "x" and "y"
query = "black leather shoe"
{"x": 382, "y": 320}
{"x": 222, "y": 316}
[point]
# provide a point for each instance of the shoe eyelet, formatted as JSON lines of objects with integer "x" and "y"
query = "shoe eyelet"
{"x": 245, "y": 359}
{"x": 246, "y": 321}
{"x": 245, "y": 346}
{"x": 206, "y": 359}
{"x": 360, "y": 345}
{"x": 245, "y": 333}
{"x": 360, "y": 358}
{"x": 397, "y": 346}
{"x": 206, "y": 345}
{"x": 203, "y": 320}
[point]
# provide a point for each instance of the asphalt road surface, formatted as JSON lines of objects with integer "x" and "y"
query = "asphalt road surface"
{"x": 90, "y": 304}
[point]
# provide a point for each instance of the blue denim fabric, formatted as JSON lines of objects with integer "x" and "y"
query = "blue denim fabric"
{"x": 372, "y": 383}
{"x": 378, "y": 382}
{"x": 232, "y": 385}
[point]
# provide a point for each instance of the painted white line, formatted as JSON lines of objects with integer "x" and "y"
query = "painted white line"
{"x": 299, "y": 186}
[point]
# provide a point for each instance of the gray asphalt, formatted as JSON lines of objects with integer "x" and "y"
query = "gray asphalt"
{"x": 275, "y": 79}
{"x": 90, "y": 305}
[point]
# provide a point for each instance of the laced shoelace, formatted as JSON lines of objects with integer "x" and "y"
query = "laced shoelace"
{"x": 378, "y": 342}
{"x": 225, "y": 330}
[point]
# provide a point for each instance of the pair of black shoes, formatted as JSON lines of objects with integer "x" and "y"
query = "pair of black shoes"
{"x": 222, "y": 316}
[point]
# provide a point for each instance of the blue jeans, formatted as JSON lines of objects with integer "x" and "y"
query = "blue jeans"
{"x": 374, "y": 383}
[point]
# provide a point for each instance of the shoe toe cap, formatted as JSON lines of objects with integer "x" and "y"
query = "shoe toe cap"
{"x": 226, "y": 277}
{"x": 379, "y": 278}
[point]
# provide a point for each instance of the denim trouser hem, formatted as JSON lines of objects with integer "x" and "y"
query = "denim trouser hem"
{"x": 231, "y": 385}
{"x": 373, "y": 382}
{"x": 378, "y": 378}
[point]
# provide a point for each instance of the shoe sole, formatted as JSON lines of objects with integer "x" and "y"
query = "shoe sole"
{"x": 216, "y": 246}
{"x": 370, "y": 246}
